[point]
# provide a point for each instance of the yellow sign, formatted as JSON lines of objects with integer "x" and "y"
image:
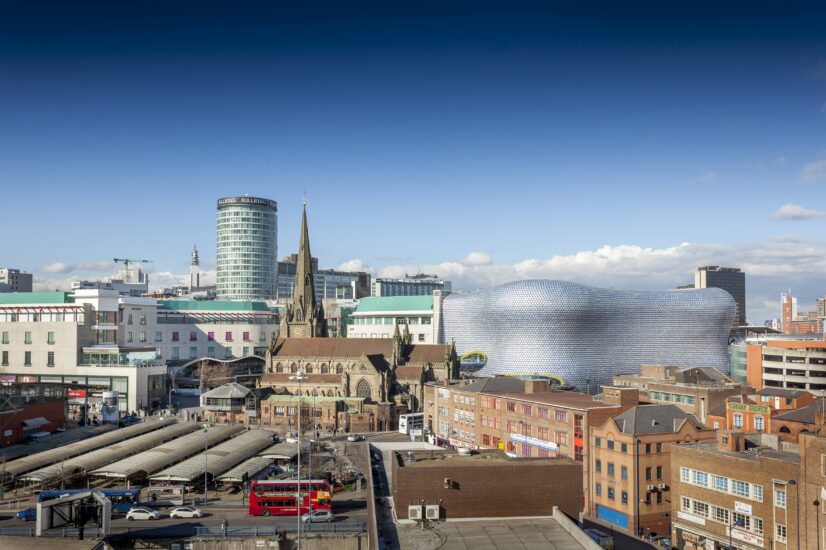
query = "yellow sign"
{"x": 501, "y": 446}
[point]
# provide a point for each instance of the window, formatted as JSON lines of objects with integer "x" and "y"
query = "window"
{"x": 421, "y": 337}
{"x": 659, "y": 447}
{"x": 562, "y": 439}
{"x": 780, "y": 498}
{"x": 648, "y": 473}
{"x": 738, "y": 420}
{"x": 597, "y": 464}
{"x": 758, "y": 424}
{"x": 561, "y": 416}
{"x": 50, "y": 359}
{"x": 598, "y": 442}
{"x": 526, "y": 410}
{"x": 659, "y": 472}
{"x": 610, "y": 444}
{"x": 611, "y": 469}
{"x": 719, "y": 483}
{"x": 5, "y": 337}
{"x": 700, "y": 509}
{"x": 228, "y": 337}
{"x": 757, "y": 525}
{"x": 758, "y": 492}
{"x": 579, "y": 453}
{"x": 211, "y": 351}
{"x": 598, "y": 489}
{"x": 50, "y": 338}
{"x": 685, "y": 504}
{"x": 210, "y": 336}
{"x": 129, "y": 336}
{"x": 611, "y": 493}
{"x": 142, "y": 336}
{"x": 176, "y": 352}
{"x": 129, "y": 319}
{"x": 158, "y": 336}
{"x": 623, "y": 447}
{"x": 660, "y": 497}
{"x": 685, "y": 475}
{"x": 27, "y": 359}
{"x": 193, "y": 352}
{"x": 541, "y": 413}
{"x": 719, "y": 514}
{"x": 5, "y": 358}
{"x": 623, "y": 472}
{"x": 511, "y": 407}
{"x": 648, "y": 448}
{"x": 193, "y": 336}
{"x": 700, "y": 478}
{"x": 228, "y": 353}
{"x": 176, "y": 337}
{"x": 780, "y": 532}
{"x": 143, "y": 319}
{"x": 739, "y": 488}
{"x": 27, "y": 338}
{"x": 246, "y": 336}
{"x": 624, "y": 496}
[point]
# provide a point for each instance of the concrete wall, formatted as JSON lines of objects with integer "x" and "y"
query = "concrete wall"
{"x": 283, "y": 541}
{"x": 506, "y": 488}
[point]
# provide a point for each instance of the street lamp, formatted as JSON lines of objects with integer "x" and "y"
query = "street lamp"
{"x": 310, "y": 460}
{"x": 299, "y": 375}
{"x": 206, "y": 461}
{"x": 794, "y": 482}
{"x": 738, "y": 523}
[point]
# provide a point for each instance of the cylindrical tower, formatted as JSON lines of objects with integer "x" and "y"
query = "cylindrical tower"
{"x": 247, "y": 243}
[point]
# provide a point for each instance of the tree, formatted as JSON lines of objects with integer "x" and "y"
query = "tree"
{"x": 214, "y": 375}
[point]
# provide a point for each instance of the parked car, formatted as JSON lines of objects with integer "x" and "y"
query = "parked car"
{"x": 319, "y": 516}
{"x": 355, "y": 437}
{"x": 603, "y": 539}
{"x": 29, "y": 514}
{"x": 142, "y": 513}
{"x": 185, "y": 512}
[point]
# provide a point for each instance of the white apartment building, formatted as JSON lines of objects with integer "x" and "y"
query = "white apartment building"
{"x": 219, "y": 329}
{"x": 83, "y": 340}
{"x": 377, "y": 317}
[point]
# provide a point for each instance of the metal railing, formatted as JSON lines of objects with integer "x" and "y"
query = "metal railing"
{"x": 190, "y": 531}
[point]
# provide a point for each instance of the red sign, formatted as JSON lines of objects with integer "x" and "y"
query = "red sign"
{"x": 77, "y": 393}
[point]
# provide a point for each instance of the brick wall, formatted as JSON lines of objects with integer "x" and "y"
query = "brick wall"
{"x": 512, "y": 487}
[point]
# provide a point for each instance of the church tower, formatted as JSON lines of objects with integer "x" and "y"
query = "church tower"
{"x": 304, "y": 318}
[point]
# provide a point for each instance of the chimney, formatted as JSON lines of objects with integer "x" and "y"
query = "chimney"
{"x": 536, "y": 386}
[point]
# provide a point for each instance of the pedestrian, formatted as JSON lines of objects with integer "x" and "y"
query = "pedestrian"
{"x": 224, "y": 527}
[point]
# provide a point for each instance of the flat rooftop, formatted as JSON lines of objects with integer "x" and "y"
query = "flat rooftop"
{"x": 560, "y": 398}
{"x": 755, "y": 453}
{"x": 478, "y": 459}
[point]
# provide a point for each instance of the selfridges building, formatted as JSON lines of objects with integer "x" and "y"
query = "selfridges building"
{"x": 583, "y": 335}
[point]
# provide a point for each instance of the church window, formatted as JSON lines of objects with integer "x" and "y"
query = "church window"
{"x": 363, "y": 389}
{"x": 324, "y": 368}
{"x": 293, "y": 368}
{"x": 309, "y": 369}
{"x": 339, "y": 369}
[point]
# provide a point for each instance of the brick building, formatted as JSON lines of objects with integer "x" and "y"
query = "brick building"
{"x": 739, "y": 488}
{"x": 809, "y": 419}
{"x": 325, "y": 414}
{"x": 485, "y": 484}
{"x": 793, "y": 364}
{"x": 756, "y": 413}
{"x": 696, "y": 391}
{"x": 27, "y": 409}
{"x": 631, "y": 465}
{"x": 522, "y": 417}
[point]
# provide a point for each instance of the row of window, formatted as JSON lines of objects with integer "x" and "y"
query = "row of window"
{"x": 724, "y": 516}
{"x": 611, "y": 445}
{"x": 193, "y": 352}
{"x": 27, "y": 359}
{"x": 421, "y": 337}
{"x": 27, "y": 338}
{"x": 722, "y": 484}
{"x": 672, "y": 397}
{"x": 392, "y": 320}
{"x": 73, "y": 316}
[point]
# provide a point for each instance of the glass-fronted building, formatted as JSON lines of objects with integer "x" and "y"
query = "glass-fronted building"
{"x": 247, "y": 237}
{"x": 584, "y": 335}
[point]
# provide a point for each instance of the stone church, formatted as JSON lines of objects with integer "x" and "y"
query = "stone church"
{"x": 383, "y": 371}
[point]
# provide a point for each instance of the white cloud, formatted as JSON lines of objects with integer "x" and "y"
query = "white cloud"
{"x": 795, "y": 212}
{"x": 709, "y": 178}
{"x": 814, "y": 171}
{"x": 63, "y": 267}
{"x": 355, "y": 265}
{"x": 476, "y": 259}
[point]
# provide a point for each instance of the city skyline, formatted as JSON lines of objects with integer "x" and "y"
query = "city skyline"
{"x": 622, "y": 149}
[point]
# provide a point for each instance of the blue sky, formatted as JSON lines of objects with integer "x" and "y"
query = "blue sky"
{"x": 590, "y": 144}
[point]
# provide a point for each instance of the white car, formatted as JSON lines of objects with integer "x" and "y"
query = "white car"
{"x": 319, "y": 516}
{"x": 355, "y": 438}
{"x": 142, "y": 513}
{"x": 185, "y": 512}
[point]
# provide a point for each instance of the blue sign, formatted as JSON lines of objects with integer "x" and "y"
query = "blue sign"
{"x": 612, "y": 516}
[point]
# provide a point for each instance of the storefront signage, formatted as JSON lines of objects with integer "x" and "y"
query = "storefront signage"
{"x": 77, "y": 393}
{"x": 746, "y": 537}
{"x": 533, "y": 441}
{"x": 750, "y": 408}
{"x": 742, "y": 508}
{"x": 687, "y": 539}
{"x": 28, "y": 379}
{"x": 692, "y": 519}
{"x": 8, "y": 378}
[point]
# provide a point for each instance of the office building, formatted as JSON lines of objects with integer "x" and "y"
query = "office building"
{"x": 377, "y": 317}
{"x": 794, "y": 364}
{"x": 730, "y": 279}
{"x": 631, "y": 466}
{"x": 420, "y": 284}
{"x": 330, "y": 284}
{"x": 247, "y": 249}
{"x": 14, "y": 280}
{"x": 83, "y": 340}
{"x": 584, "y": 335}
{"x": 696, "y": 390}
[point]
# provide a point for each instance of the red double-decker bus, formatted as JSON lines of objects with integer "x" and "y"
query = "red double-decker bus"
{"x": 278, "y": 498}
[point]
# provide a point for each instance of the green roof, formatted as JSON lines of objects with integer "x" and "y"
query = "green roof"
{"x": 211, "y": 305}
{"x": 395, "y": 303}
{"x": 22, "y": 298}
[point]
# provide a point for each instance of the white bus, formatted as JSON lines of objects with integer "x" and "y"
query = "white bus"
{"x": 410, "y": 422}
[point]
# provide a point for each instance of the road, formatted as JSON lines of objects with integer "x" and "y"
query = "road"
{"x": 622, "y": 541}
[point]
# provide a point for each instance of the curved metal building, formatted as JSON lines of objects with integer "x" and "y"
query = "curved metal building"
{"x": 584, "y": 335}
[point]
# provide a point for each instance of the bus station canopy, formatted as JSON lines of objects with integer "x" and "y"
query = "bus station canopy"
{"x": 283, "y": 451}
{"x": 219, "y": 459}
{"x": 246, "y": 470}
{"x": 152, "y": 460}
{"x": 59, "y": 439}
{"x": 106, "y": 455}
{"x": 56, "y": 455}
